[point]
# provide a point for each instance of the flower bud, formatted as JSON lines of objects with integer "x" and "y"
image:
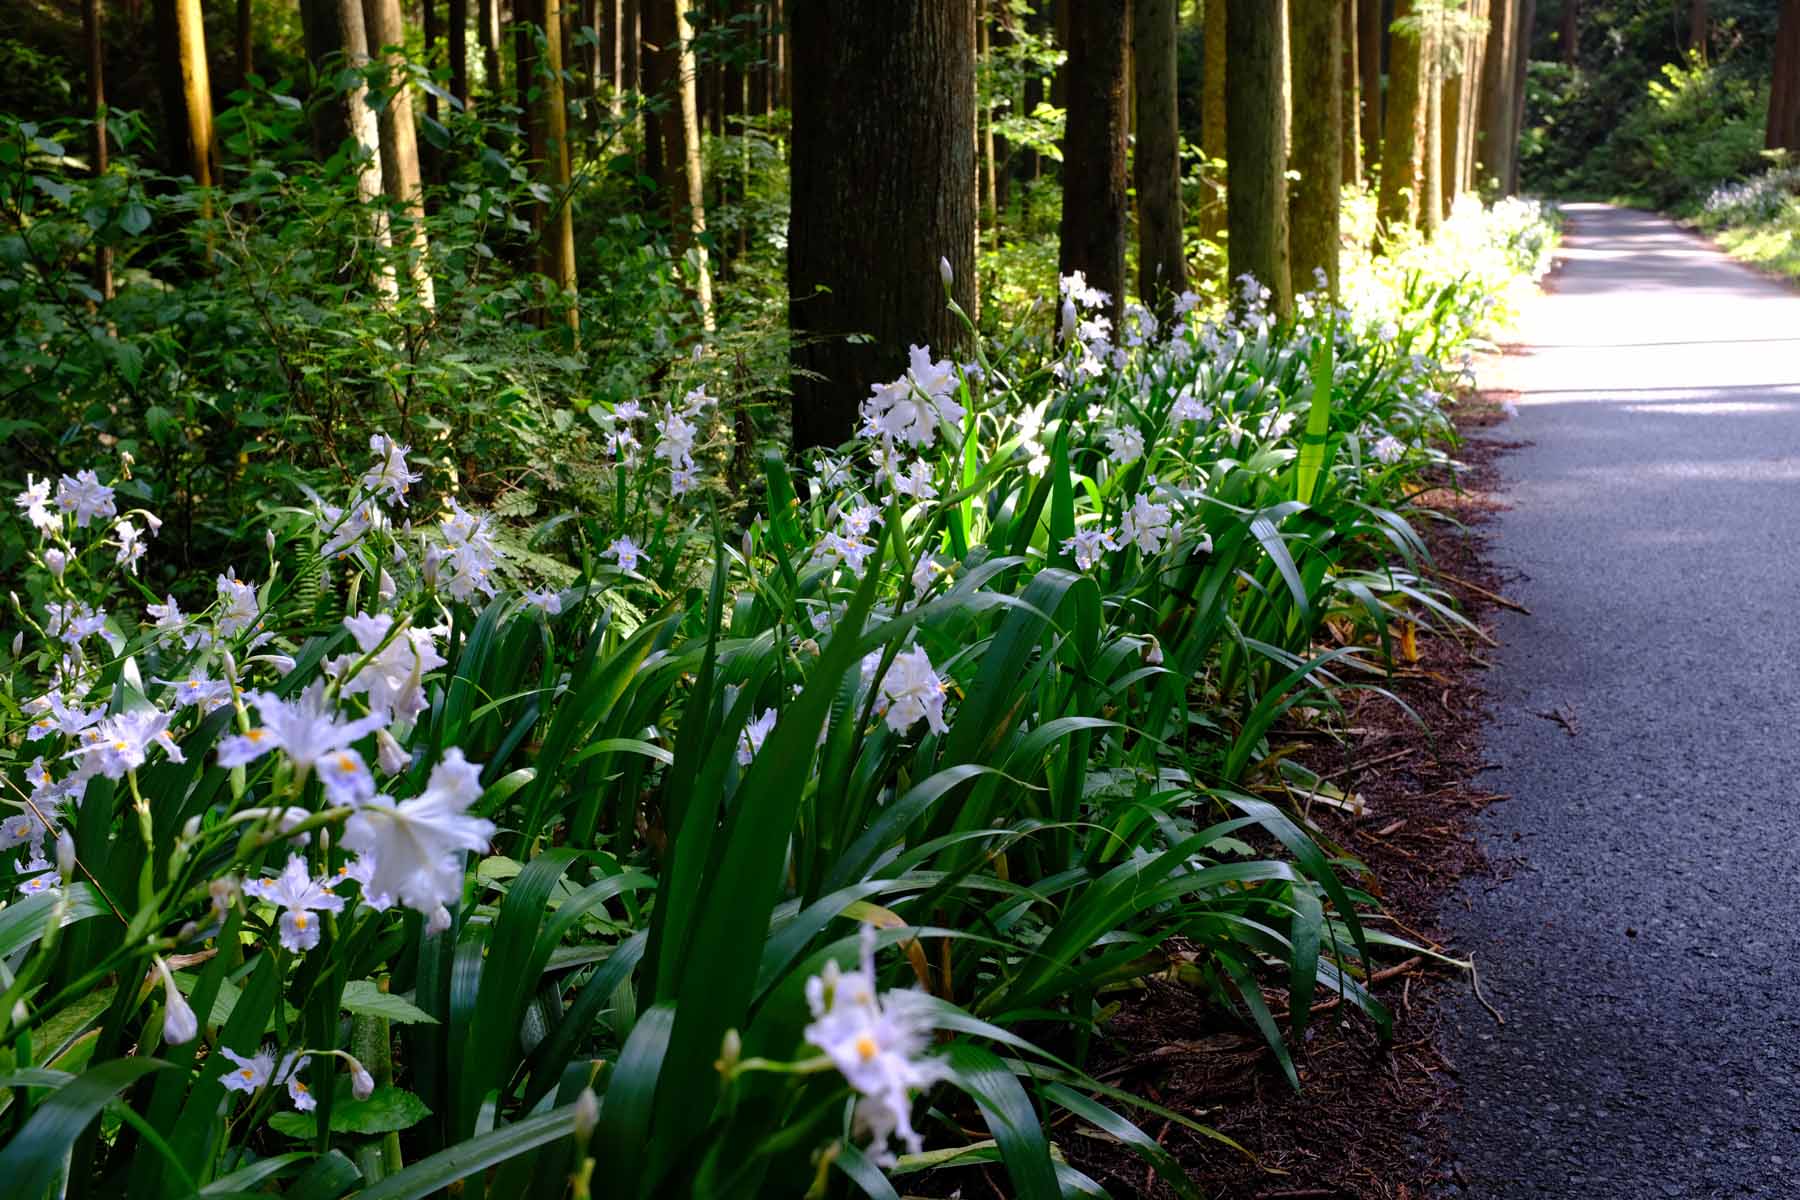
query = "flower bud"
{"x": 180, "y": 1026}
{"x": 384, "y": 587}
{"x": 389, "y": 755}
{"x": 1069, "y": 320}
{"x": 57, "y": 561}
{"x": 18, "y": 644}
{"x": 20, "y": 1014}
{"x": 945, "y": 273}
{"x": 362, "y": 1084}
{"x": 65, "y": 856}
{"x": 731, "y": 1050}
{"x": 440, "y": 921}
{"x": 587, "y": 1114}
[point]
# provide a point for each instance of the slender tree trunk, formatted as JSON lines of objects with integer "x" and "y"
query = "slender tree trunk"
{"x": 1699, "y": 28}
{"x": 487, "y": 18}
{"x": 400, "y": 145}
{"x": 759, "y": 66}
{"x": 1783, "y": 131}
{"x": 319, "y": 26}
{"x": 1256, "y": 153}
{"x": 362, "y": 125}
{"x": 990, "y": 186}
{"x": 1521, "y": 64}
{"x": 1368, "y": 65}
{"x": 246, "y": 43}
{"x": 1156, "y": 162}
{"x": 1398, "y": 203}
{"x": 1494, "y": 137}
{"x": 1431, "y": 206}
{"x": 187, "y": 91}
{"x": 1285, "y": 52}
{"x": 663, "y": 153}
{"x": 93, "y": 28}
{"x": 557, "y": 248}
{"x": 615, "y": 21}
{"x": 1350, "y": 164}
{"x": 1570, "y": 33}
{"x": 1318, "y": 129}
{"x": 690, "y": 224}
{"x": 1213, "y": 80}
{"x": 434, "y": 35}
{"x": 882, "y": 189}
{"x": 1094, "y": 202}
{"x": 631, "y": 48}
{"x": 459, "y": 51}
{"x": 783, "y": 87}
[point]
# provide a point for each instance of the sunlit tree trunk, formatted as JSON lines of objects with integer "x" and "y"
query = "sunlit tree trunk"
{"x": 1431, "y": 203}
{"x": 400, "y": 145}
{"x": 557, "y": 247}
{"x": 1784, "y": 96}
{"x": 1214, "y": 78}
{"x": 1521, "y": 64}
{"x": 487, "y": 32}
{"x": 1350, "y": 145}
{"x": 187, "y": 92}
{"x": 1401, "y": 182}
{"x": 1318, "y": 125}
{"x": 882, "y": 189}
{"x": 1256, "y": 153}
{"x": 1093, "y": 211}
{"x": 1494, "y": 137}
{"x": 691, "y": 210}
{"x": 990, "y": 186}
{"x": 459, "y": 51}
{"x": 364, "y": 128}
{"x": 1368, "y": 65}
{"x": 1156, "y": 163}
{"x": 92, "y": 34}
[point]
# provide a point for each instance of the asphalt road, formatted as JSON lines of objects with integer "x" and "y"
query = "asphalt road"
{"x": 1643, "y": 946}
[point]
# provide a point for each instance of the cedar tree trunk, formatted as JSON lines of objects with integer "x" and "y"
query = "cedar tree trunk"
{"x": 1094, "y": 203}
{"x": 1156, "y": 163}
{"x": 1256, "y": 154}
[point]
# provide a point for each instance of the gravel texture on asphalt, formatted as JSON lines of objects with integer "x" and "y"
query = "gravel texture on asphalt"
{"x": 1639, "y": 931}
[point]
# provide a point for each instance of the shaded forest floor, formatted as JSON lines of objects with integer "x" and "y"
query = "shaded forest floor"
{"x": 1367, "y": 1123}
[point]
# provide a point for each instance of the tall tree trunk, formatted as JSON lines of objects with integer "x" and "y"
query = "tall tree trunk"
{"x": 1521, "y": 64}
{"x": 363, "y": 126}
{"x": 1093, "y": 211}
{"x": 1431, "y": 205}
{"x": 431, "y": 23}
{"x": 558, "y": 245}
{"x": 1495, "y": 136}
{"x": 246, "y": 43}
{"x": 759, "y": 64}
{"x": 1350, "y": 112}
{"x": 1285, "y": 51}
{"x": 1156, "y": 162}
{"x": 1401, "y": 182}
{"x": 1318, "y": 129}
{"x": 1699, "y": 28}
{"x": 1570, "y": 33}
{"x": 782, "y": 87}
{"x": 487, "y": 19}
{"x": 615, "y": 20}
{"x": 459, "y": 51}
{"x": 663, "y": 153}
{"x": 1368, "y": 65}
{"x": 1213, "y": 79}
{"x": 881, "y": 191}
{"x": 690, "y": 212}
{"x": 319, "y": 26}
{"x": 631, "y": 49}
{"x": 1256, "y": 153}
{"x": 186, "y": 91}
{"x": 1783, "y": 131}
{"x": 93, "y": 28}
{"x": 990, "y": 204}
{"x": 400, "y": 144}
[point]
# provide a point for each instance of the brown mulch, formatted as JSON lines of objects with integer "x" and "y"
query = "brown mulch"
{"x": 1367, "y": 1123}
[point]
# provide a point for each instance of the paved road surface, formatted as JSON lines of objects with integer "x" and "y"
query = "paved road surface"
{"x": 1645, "y": 951}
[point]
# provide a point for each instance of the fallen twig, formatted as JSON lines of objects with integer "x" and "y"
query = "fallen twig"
{"x": 1475, "y": 978}
{"x": 1502, "y": 601}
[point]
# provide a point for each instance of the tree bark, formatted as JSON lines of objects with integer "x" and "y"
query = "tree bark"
{"x": 1094, "y": 201}
{"x": 1431, "y": 203}
{"x": 1368, "y": 65}
{"x": 1521, "y": 64}
{"x": 1699, "y": 28}
{"x": 246, "y": 43}
{"x": 1318, "y": 156}
{"x": 882, "y": 183}
{"x": 1495, "y": 137}
{"x": 558, "y": 245}
{"x": 1783, "y": 131}
{"x": 433, "y": 33}
{"x": 487, "y": 19}
{"x": 400, "y": 144}
{"x": 1401, "y": 158}
{"x": 459, "y": 51}
{"x": 187, "y": 92}
{"x": 1256, "y": 153}
{"x": 1350, "y": 111}
{"x": 1570, "y": 33}
{"x": 663, "y": 153}
{"x": 690, "y": 225}
{"x": 1214, "y": 77}
{"x": 362, "y": 125}
{"x": 93, "y": 28}
{"x": 1156, "y": 162}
